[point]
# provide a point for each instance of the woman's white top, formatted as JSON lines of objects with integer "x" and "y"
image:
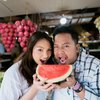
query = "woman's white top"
{"x": 14, "y": 86}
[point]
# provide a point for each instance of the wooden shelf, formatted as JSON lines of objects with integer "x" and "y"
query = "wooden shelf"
{"x": 94, "y": 41}
{"x": 94, "y": 50}
{"x": 6, "y": 53}
{"x": 5, "y": 60}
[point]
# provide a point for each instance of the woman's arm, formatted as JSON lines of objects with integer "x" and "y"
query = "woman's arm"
{"x": 30, "y": 94}
{"x": 37, "y": 86}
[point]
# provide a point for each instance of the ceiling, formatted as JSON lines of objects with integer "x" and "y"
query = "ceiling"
{"x": 19, "y": 7}
{"x": 48, "y": 12}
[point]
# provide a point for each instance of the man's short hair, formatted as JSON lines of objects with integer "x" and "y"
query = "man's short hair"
{"x": 66, "y": 30}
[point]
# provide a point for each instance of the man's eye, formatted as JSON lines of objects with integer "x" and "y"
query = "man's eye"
{"x": 66, "y": 46}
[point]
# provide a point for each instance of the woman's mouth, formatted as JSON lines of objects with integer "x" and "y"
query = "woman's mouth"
{"x": 42, "y": 61}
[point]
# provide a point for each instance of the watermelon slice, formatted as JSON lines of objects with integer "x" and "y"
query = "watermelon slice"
{"x": 53, "y": 73}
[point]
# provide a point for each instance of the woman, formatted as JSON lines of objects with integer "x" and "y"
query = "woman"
{"x": 20, "y": 81}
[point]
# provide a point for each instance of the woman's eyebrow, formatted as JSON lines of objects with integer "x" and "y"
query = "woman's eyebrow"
{"x": 39, "y": 46}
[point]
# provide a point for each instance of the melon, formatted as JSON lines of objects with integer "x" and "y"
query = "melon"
{"x": 53, "y": 73}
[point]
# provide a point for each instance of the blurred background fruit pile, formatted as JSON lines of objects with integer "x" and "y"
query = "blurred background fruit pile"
{"x": 97, "y": 23}
{"x": 19, "y": 31}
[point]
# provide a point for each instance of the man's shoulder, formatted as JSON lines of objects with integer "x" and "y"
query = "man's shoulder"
{"x": 84, "y": 56}
{"x": 85, "y": 59}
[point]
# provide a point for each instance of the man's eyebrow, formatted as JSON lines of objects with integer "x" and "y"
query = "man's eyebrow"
{"x": 62, "y": 44}
{"x": 66, "y": 43}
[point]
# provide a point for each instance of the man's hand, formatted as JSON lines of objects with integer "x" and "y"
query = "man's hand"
{"x": 70, "y": 81}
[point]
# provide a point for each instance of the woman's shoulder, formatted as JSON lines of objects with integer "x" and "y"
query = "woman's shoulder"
{"x": 13, "y": 71}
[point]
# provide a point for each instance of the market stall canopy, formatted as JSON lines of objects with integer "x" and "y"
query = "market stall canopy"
{"x": 19, "y": 7}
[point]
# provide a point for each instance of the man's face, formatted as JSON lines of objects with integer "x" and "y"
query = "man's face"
{"x": 65, "y": 49}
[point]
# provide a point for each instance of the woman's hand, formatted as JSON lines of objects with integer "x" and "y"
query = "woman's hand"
{"x": 42, "y": 85}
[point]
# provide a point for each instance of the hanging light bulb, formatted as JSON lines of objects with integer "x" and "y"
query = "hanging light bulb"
{"x": 63, "y": 20}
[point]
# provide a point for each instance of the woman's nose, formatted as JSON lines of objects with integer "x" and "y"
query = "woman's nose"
{"x": 45, "y": 55}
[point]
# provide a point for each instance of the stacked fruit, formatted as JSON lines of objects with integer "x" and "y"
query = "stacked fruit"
{"x": 25, "y": 28}
{"x": 97, "y": 23}
{"x": 8, "y": 35}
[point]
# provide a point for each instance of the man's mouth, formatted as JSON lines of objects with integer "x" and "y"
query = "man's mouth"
{"x": 62, "y": 60}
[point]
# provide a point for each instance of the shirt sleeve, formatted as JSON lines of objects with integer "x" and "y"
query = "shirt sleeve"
{"x": 92, "y": 92}
{"x": 10, "y": 87}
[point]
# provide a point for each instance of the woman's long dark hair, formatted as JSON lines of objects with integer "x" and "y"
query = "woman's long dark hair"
{"x": 28, "y": 65}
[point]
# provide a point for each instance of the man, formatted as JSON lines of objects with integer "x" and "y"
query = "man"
{"x": 85, "y": 83}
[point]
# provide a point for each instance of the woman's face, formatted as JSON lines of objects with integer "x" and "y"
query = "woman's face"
{"x": 41, "y": 51}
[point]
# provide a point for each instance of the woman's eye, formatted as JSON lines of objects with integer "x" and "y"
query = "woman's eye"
{"x": 55, "y": 47}
{"x": 39, "y": 49}
{"x": 50, "y": 50}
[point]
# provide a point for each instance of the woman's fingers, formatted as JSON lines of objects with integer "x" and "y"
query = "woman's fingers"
{"x": 48, "y": 87}
{"x": 41, "y": 84}
{"x": 34, "y": 77}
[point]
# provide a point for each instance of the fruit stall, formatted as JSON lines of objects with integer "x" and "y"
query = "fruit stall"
{"x": 19, "y": 22}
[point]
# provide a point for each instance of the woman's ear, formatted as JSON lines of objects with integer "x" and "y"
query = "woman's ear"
{"x": 78, "y": 47}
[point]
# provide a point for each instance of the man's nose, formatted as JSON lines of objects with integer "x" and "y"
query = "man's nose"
{"x": 60, "y": 51}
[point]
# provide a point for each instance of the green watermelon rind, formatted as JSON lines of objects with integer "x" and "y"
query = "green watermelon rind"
{"x": 56, "y": 80}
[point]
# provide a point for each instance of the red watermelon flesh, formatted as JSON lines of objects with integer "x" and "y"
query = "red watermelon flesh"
{"x": 54, "y": 73}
